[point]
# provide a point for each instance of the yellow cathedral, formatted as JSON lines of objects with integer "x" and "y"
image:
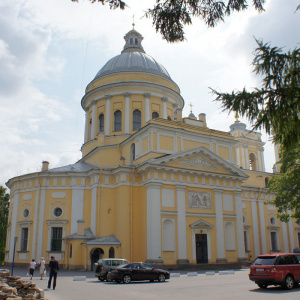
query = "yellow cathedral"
{"x": 151, "y": 185}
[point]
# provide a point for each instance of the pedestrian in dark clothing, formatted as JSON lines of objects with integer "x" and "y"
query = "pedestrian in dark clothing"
{"x": 54, "y": 268}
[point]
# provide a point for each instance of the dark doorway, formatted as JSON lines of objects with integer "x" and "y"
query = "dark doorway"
{"x": 96, "y": 254}
{"x": 201, "y": 249}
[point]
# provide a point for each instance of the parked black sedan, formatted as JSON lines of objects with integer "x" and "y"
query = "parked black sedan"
{"x": 137, "y": 272}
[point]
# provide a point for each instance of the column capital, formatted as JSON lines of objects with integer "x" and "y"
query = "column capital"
{"x": 127, "y": 94}
{"x": 108, "y": 96}
{"x": 156, "y": 185}
{"x": 164, "y": 98}
{"x": 147, "y": 95}
{"x": 218, "y": 191}
{"x": 181, "y": 187}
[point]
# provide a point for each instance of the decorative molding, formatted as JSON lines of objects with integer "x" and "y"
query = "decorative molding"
{"x": 198, "y": 161}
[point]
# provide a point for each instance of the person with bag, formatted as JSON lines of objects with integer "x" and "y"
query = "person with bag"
{"x": 54, "y": 268}
{"x": 31, "y": 268}
{"x": 42, "y": 268}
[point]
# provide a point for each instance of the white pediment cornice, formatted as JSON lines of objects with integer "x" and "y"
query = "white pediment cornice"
{"x": 201, "y": 224}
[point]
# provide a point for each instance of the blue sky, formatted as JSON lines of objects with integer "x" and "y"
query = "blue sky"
{"x": 51, "y": 50}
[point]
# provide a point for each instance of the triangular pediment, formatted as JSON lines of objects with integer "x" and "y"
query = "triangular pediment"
{"x": 200, "y": 159}
{"x": 201, "y": 224}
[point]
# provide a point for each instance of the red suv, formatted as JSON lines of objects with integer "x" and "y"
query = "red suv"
{"x": 276, "y": 269}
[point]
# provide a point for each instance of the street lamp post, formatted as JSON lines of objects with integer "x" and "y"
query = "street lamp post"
{"x": 13, "y": 261}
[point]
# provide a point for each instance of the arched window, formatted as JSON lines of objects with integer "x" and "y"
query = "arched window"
{"x": 267, "y": 181}
{"x": 111, "y": 252}
{"x": 136, "y": 41}
{"x": 155, "y": 115}
{"x": 117, "y": 120}
{"x": 168, "y": 235}
{"x": 90, "y": 130}
{"x": 252, "y": 162}
{"x": 137, "y": 119}
{"x": 132, "y": 153}
{"x": 230, "y": 236}
{"x": 131, "y": 41}
{"x": 101, "y": 123}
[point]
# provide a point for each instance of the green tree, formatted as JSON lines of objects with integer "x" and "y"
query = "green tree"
{"x": 4, "y": 202}
{"x": 170, "y": 16}
{"x": 275, "y": 107}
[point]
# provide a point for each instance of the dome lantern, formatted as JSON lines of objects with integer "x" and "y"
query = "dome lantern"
{"x": 133, "y": 42}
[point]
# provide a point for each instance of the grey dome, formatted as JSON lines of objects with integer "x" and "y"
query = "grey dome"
{"x": 133, "y": 59}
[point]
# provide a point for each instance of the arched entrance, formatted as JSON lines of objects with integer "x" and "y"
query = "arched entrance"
{"x": 95, "y": 254}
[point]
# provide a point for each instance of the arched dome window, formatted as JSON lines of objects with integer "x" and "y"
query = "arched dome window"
{"x": 90, "y": 130}
{"x": 111, "y": 252}
{"x": 155, "y": 115}
{"x": 137, "y": 119}
{"x": 252, "y": 162}
{"x": 267, "y": 181}
{"x": 117, "y": 120}
{"x": 132, "y": 153}
{"x": 101, "y": 123}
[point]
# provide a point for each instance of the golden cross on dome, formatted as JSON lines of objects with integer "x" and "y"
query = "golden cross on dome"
{"x": 191, "y": 105}
{"x": 133, "y": 22}
{"x": 236, "y": 117}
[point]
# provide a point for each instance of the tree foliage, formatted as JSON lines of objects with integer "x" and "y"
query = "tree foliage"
{"x": 286, "y": 185}
{"x": 275, "y": 107}
{"x": 4, "y": 202}
{"x": 170, "y": 16}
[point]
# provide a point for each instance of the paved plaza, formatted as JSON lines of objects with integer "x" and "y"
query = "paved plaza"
{"x": 202, "y": 286}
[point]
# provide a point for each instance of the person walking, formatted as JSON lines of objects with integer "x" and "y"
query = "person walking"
{"x": 54, "y": 268}
{"x": 42, "y": 267}
{"x": 31, "y": 268}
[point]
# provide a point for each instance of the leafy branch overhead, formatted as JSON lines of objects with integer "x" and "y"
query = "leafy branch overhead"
{"x": 170, "y": 16}
{"x": 275, "y": 106}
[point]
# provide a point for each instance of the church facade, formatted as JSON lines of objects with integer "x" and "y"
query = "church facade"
{"x": 151, "y": 185}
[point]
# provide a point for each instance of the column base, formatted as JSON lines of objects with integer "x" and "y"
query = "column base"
{"x": 154, "y": 261}
{"x": 221, "y": 260}
{"x": 182, "y": 261}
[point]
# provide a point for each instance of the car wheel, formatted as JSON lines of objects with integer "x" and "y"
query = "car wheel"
{"x": 161, "y": 278}
{"x": 289, "y": 282}
{"x": 100, "y": 278}
{"x": 126, "y": 279}
{"x": 262, "y": 286}
{"x": 107, "y": 279}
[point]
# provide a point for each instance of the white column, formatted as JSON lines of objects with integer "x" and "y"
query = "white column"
{"x": 240, "y": 226}
{"x": 259, "y": 157}
{"x": 107, "y": 115}
{"x": 262, "y": 226}
{"x": 153, "y": 222}
{"x": 285, "y": 238}
{"x": 147, "y": 107}
{"x": 237, "y": 149}
{"x": 77, "y": 205}
{"x": 94, "y": 206}
{"x": 247, "y": 158}
{"x": 87, "y": 123}
{"x": 94, "y": 116}
{"x": 243, "y": 157}
{"x": 263, "y": 159}
{"x": 182, "y": 254}
{"x": 255, "y": 228}
{"x": 40, "y": 230}
{"x": 14, "y": 203}
{"x": 164, "y": 101}
{"x": 219, "y": 225}
{"x": 291, "y": 231}
{"x": 127, "y": 115}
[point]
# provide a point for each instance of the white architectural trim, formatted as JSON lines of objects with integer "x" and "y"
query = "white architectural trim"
{"x": 94, "y": 208}
{"x": 255, "y": 228}
{"x": 94, "y": 117}
{"x": 127, "y": 115}
{"x": 40, "y": 230}
{"x": 182, "y": 253}
{"x": 147, "y": 107}
{"x": 262, "y": 226}
{"x": 77, "y": 207}
{"x": 153, "y": 222}
{"x": 219, "y": 224}
{"x": 291, "y": 231}
{"x": 239, "y": 225}
{"x": 15, "y": 202}
{"x": 107, "y": 115}
{"x": 87, "y": 122}
{"x": 164, "y": 101}
{"x": 285, "y": 238}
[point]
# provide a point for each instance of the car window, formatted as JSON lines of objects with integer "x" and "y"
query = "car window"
{"x": 115, "y": 263}
{"x": 145, "y": 266}
{"x": 265, "y": 260}
{"x": 297, "y": 258}
{"x": 135, "y": 266}
{"x": 286, "y": 260}
{"x": 108, "y": 263}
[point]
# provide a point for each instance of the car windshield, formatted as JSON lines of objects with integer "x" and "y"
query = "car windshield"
{"x": 126, "y": 266}
{"x": 265, "y": 260}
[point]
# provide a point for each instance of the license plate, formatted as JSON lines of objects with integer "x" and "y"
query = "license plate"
{"x": 260, "y": 269}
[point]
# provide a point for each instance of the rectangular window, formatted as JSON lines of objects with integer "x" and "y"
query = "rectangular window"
{"x": 274, "y": 241}
{"x": 56, "y": 238}
{"x": 24, "y": 239}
